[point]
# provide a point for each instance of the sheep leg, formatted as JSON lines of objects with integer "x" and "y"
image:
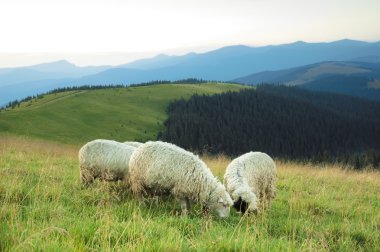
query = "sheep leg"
{"x": 270, "y": 194}
{"x": 188, "y": 203}
{"x": 205, "y": 210}
{"x": 267, "y": 200}
{"x": 86, "y": 177}
{"x": 137, "y": 189}
{"x": 273, "y": 191}
{"x": 141, "y": 199}
{"x": 184, "y": 206}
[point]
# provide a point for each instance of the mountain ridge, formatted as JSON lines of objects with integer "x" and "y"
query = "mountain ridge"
{"x": 223, "y": 64}
{"x": 343, "y": 77}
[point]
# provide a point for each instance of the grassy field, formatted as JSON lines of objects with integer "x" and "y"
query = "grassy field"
{"x": 43, "y": 207}
{"x": 75, "y": 117}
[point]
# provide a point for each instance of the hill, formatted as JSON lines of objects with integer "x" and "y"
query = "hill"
{"x": 288, "y": 123}
{"x": 17, "y": 83}
{"x": 44, "y": 208}
{"x": 351, "y": 78}
{"x": 223, "y": 64}
{"x": 133, "y": 113}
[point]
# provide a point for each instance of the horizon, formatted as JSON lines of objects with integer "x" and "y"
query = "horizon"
{"x": 115, "y": 59}
{"x": 113, "y": 32}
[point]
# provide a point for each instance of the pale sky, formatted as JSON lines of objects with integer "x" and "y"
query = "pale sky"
{"x": 97, "y": 32}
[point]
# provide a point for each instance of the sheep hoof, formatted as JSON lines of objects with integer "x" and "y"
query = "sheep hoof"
{"x": 184, "y": 213}
{"x": 142, "y": 203}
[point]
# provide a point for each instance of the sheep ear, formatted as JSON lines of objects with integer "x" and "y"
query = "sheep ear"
{"x": 220, "y": 200}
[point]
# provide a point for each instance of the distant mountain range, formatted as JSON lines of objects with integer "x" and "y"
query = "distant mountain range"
{"x": 351, "y": 78}
{"x": 224, "y": 64}
{"x": 54, "y": 70}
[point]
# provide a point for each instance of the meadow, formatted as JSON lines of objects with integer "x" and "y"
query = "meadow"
{"x": 44, "y": 207}
{"x": 75, "y": 117}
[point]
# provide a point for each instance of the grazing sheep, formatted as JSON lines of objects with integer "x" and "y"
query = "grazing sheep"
{"x": 133, "y": 144}
{"x": 164, "y": 167}
{"x": 104, "y": 159}
{"x": 249, "y": 178}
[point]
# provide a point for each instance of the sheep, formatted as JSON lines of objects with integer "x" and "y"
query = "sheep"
{"x": 164, "y": 167}
{"x": 104, "y": 159}
{"x": 133, "y": 144}
{"x": 249, "y": 177}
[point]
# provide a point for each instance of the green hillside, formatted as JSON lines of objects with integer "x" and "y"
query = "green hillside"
{"x": 133, "y": 113}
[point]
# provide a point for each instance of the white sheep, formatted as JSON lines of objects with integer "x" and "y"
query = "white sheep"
{"x": 133, "y": 143}
{"x": 104, "y": 159}
{"x": 250, "y": 179}
{"x": 164, "y": 167}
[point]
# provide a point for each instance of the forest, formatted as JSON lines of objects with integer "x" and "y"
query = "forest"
{"x": 286, "y": 122}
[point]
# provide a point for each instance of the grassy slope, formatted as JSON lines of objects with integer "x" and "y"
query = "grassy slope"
{"x": 134, "y": 113}
{"x": 43, "y": 207}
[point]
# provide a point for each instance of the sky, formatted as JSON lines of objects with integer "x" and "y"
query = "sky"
{"x": 111, "y": 32}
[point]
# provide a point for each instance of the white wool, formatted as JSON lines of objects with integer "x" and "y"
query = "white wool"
{"x": 104, "y": 159}
{"x": 250, "y": 177}
{"x": 133, "y": 143}
{"x": 161, "y": 166}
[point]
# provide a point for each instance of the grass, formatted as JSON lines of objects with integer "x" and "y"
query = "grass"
{"x": 75, "y": 117}
{"x": 44, "y": 207}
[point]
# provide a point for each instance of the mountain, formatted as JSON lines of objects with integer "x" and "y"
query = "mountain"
{"x": 114, "y": 76}
{"x": 56, "y": 66}
{"x": 19, "y": 82}
{"x": 223, "y": 64}
{"x": 351, "y": 78}
{"x": 234, "y": 61}
{"x": 132, "y": 76}
{"x": 68, "y": 69}
{"x": 159, "y": 61}
{"x": 21, "y": 90}
{"x": 53, "y": 70}
{"x": 19, "y": 75}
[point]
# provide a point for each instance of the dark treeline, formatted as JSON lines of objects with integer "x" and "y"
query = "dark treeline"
{"x": 184, "y": 81}
{"x": 13, "y": 104}
{"x": 288, "y": 123}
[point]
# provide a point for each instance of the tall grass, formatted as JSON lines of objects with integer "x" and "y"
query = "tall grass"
{"x": 44, "y": 207}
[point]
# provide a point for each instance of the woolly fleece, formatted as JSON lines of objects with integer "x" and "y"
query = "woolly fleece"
{"x": 161, "y": 166}
{"x": 251, "y": 176}
{"x": 133, "y": 144}
{"x": 104, "y": 159}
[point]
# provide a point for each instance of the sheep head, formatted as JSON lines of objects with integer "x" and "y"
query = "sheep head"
{"x": 245, "y": 200}
{"x": 220, "y": 202}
